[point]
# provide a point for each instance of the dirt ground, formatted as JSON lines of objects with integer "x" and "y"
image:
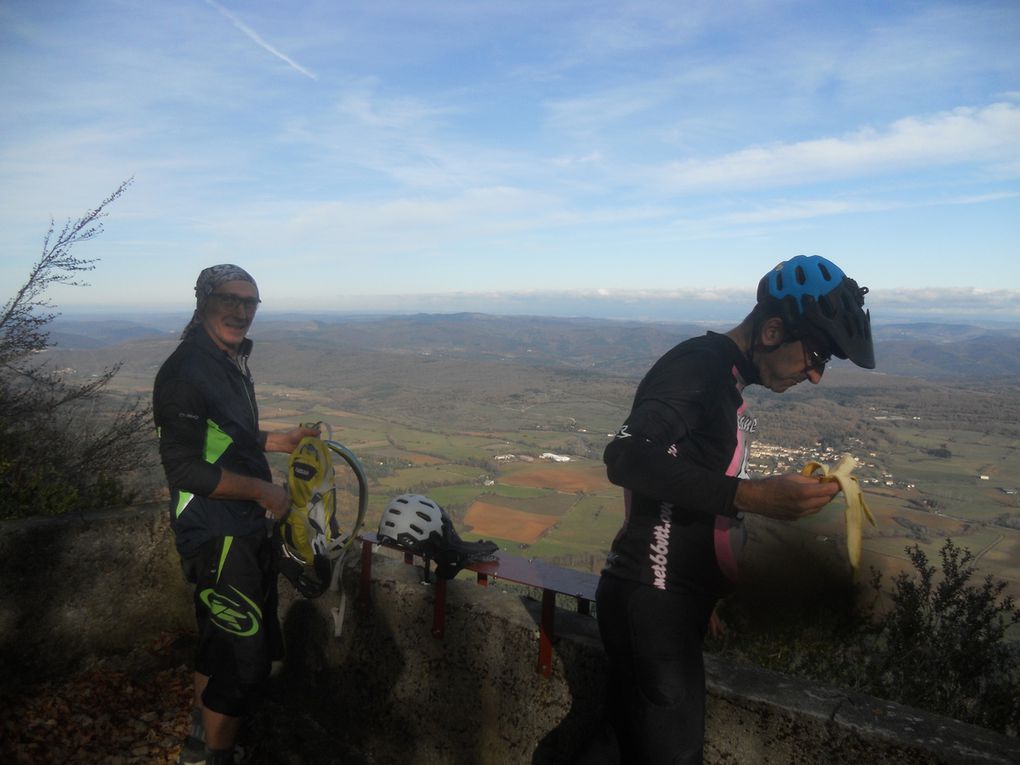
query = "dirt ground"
{"x": 134, "y": 710}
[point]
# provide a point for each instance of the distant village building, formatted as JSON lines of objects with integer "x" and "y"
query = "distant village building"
{"x": 555, "y": 457}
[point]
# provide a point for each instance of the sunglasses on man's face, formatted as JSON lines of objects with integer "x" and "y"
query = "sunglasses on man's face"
{"x": 232, "y": 302}
{"x": 816, "y": 360}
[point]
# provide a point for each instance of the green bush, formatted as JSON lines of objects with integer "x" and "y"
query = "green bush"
{"x": 36, "y": 481}
{"x": 941, "y": 644}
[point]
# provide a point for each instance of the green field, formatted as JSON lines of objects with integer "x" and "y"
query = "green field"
{"x": 437, "y": 424}
{"x": 587, "y": 521}
{"x": 930, "y": 498}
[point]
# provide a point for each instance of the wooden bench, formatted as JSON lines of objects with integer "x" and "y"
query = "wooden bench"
{"x": 552, "y": 580}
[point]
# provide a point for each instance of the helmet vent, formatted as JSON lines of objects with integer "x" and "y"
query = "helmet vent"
{"x": 828, "y": 307}
{"x": 825, "y": 272}
{"x": 424, "y": 516}
{"x": 800, "y": 275}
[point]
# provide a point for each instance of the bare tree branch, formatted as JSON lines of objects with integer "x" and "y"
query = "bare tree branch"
{"x": 26, "y": 315}
{"x": 63, "y": 446}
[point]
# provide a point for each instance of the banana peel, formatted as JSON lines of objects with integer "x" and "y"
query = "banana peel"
{"x": 856, "y": 508}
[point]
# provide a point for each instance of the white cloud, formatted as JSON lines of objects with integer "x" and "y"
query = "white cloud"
{"x": 795, "y": 211}
{"x": 962, "y": 135}
{"x": 607, "y": 108}
{"x": 397, "y": 114}
{"x": 1003, "y": 304}
{"x": 979, "y": 199}
{"x": 574, "y": 160}
{"x": 807, "y": 209}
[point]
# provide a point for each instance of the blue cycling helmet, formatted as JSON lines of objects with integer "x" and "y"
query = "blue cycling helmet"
{"x": 814, "y": 297}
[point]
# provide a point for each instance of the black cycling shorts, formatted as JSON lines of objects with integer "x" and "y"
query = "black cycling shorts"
{"x": 239, "y": 633}
{"x": 656, "y": 693}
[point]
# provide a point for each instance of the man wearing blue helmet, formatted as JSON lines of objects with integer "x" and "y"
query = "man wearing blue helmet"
{"x": 819, "y": 303}
{"x": 681, "y": 458}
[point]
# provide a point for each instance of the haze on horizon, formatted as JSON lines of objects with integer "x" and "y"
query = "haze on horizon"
{"x": 625, "y": 160}
{"x": 989, "y": 309}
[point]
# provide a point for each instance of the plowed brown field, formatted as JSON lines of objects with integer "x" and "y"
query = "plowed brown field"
{"x": 589, "y": 479}
{"x": 488, "y": 520}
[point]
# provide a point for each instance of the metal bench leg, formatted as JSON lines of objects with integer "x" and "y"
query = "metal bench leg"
{"x": 365, "y": 591}
{"x": 439, "y": 608}
{"x": 545, "y": 637}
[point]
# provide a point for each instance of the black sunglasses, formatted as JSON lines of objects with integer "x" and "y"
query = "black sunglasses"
{"x": 816, "y": 360}
{"x": 232, "y": 302}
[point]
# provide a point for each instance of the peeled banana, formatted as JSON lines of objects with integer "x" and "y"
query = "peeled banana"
{"x": 856, "y": 508}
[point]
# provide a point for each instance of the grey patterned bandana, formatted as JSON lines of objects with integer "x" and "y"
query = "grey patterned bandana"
{"x": 211, "y": 278}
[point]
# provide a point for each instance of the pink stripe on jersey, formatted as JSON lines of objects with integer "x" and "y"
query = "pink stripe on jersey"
{"x": 728, "y": 536}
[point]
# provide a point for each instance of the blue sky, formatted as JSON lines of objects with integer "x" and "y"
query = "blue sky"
{"x": 517, "y": 156}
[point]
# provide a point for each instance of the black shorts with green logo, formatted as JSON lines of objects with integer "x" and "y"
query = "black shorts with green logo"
{"x": 239, "y": 633}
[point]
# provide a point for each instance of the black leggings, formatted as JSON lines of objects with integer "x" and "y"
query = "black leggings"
{"x": 656, "y": 694}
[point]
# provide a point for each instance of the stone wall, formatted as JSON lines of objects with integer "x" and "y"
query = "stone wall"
{"x": 74, "y": 589}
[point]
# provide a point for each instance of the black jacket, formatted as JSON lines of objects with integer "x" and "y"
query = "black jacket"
{"x": 679, "y": 456}
{"x": 203, "y": 403}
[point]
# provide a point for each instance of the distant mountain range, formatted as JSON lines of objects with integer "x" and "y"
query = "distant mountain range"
{"x": 83, "y": 334}
{"x": 936, "y": 351}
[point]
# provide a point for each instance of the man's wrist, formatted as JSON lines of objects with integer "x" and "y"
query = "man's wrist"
{"x": 743, "y": 497}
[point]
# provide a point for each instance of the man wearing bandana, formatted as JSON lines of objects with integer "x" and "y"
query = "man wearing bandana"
{"x": 223, "y": 503}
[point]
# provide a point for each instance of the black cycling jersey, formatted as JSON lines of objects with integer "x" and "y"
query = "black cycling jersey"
{"x": 679, "y": 457}
{"x": 203, "y": 403}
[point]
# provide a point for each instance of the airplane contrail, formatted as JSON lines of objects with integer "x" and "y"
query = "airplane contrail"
{"x": 254, "y": 37}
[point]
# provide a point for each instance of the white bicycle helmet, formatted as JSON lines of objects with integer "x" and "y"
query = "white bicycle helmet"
{"x": 410, "y": 520}
{"x": 419, "y": 525}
